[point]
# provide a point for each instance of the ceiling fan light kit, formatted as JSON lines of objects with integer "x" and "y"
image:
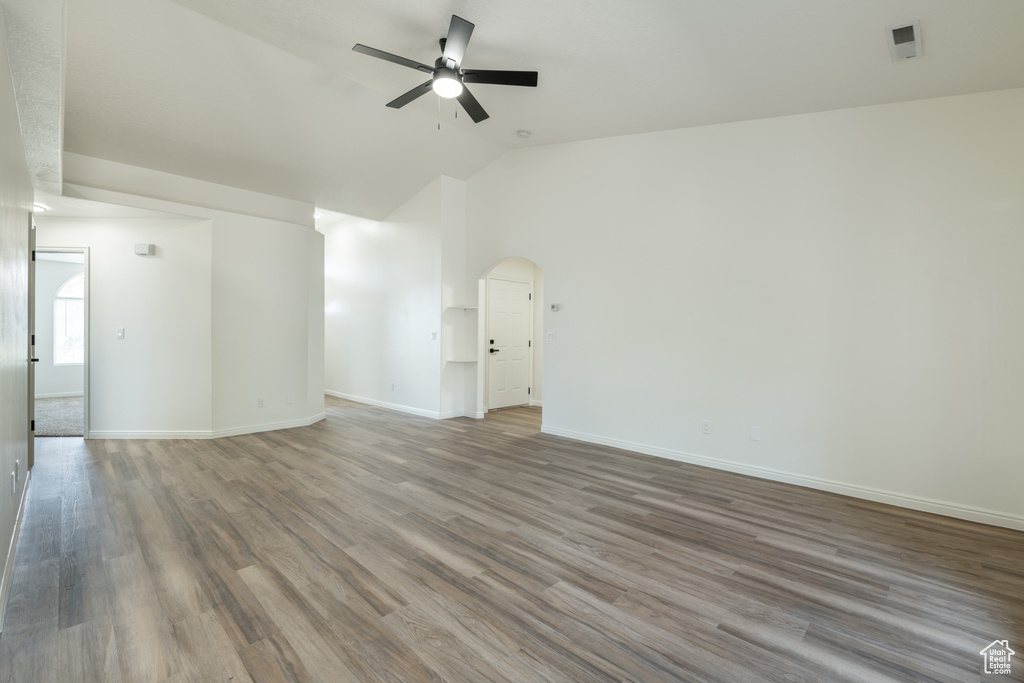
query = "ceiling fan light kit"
{"x": 447, "y": 77}
{"x": 446, "y": 83}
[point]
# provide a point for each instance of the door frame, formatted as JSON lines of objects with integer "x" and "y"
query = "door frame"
{"x": 85, "y": 360}
{"x": 486, "y": 324}
{"x": 30, "y": 454}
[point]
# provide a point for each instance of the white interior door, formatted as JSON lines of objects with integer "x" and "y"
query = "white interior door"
{"x": 509, "y": 332}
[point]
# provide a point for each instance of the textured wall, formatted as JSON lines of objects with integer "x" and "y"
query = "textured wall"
{"x": 15, "y": 200}
{"x": 35, "y": 42}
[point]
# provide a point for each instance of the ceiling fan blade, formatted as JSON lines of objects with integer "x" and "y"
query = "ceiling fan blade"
{"x": 472, "y": 107}
{"x": 458, "y": 38}
{"x": 524, "y": 78}
{"x": 408, "y": 97}
{"x": 388, "y": 57}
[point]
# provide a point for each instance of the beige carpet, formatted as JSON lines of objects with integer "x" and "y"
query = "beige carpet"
{"x": 59, "y": 416}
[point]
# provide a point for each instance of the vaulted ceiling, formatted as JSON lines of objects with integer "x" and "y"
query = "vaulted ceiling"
{"x": 267, "y": 95}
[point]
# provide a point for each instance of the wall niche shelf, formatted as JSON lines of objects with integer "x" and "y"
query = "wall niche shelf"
{"x": 459, "y": 334}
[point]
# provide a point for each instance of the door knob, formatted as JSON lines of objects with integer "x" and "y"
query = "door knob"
{"x": 494, "y": 350}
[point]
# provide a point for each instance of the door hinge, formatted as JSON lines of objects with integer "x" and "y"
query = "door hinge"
{"x": 528, "y": 390}
{"x": 33, "y": 340}
{"x": 531, "y": 296}
{"x": 33, "y": 426}
{"x": 33, "y": 254}
{"x": 529, "y": 342}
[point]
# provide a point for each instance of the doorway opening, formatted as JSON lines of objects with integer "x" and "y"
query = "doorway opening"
{"x": 511, "y": 319}
{"x": 61, "y": 338}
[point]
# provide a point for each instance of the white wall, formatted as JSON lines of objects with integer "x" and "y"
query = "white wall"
{"x": 228, "y": 311}
{"x": 263, "y": 324}
{"x": 157, "y": 380}
{"x": 458, "y": 301}
{"x": 847, "y": 281}
{"x": 382, "y": 302}
{"x": 53, "y": 380}
{"x": 15, "y": 202}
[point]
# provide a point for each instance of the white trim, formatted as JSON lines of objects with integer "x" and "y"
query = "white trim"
{"x": 536, "y": 404}
{"x": 269, "y": 427}
{"x": 139, "y": 434}
{"x": 457, "y": 413}
{"x": 390, "y": 406}
{"x": 5, "y": 579}
{"x": 209, "y": 434}
{"x": 67, "y": 394}
{"x": 968, "y": 512}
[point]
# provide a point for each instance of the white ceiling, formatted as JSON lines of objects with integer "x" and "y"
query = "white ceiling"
{"x": 267, "y": 95}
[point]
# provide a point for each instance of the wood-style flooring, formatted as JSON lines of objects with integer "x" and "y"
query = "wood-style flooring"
{"x": 377, "y": 546}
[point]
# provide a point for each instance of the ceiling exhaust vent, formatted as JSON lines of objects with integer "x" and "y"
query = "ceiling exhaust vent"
{"x": 905, "y": 41}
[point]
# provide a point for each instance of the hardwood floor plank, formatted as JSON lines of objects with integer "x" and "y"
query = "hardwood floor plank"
{"x": 378, "y": 546}
{"x": 206, "y": 652}
{"x": 142, "y": 632}
{"x": 274, "y": 660}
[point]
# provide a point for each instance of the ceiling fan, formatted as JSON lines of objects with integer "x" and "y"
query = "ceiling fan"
{"x": 448, "y": 76}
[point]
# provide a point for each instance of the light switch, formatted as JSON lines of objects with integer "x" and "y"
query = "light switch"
{"x": 120, "y": 333}
{"x": 551, "y": 336}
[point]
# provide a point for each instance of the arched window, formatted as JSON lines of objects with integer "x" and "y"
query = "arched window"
{"x": 69, "y": 323}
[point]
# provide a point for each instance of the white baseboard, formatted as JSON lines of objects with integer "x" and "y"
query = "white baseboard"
{"x": 68, "y": 394}
{"x": 274, "y": 426}
{"x": 390, "y": 406}
{"x": 536, "y": 404}
{"x": 208, "y": 434}
{"x": 970, "y": 513}
{"x": 5, "y": 579}
{"x": 461, "y": 413}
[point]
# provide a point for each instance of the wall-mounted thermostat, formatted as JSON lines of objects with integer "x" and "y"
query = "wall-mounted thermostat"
{"x": 145, "y": 249}
{"x": 554, "y": 307}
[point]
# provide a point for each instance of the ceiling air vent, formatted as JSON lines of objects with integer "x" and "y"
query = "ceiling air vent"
{"x": 905, "y": 41}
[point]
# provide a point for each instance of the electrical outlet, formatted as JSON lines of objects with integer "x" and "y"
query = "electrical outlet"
{"x": 755, "y": 433}
{"x": 705, "y": 426}
{"x": 261, "y": 402}
{"x": 392, "y": 386}
{"x": 551, "y": 336}
{"x": 289, "y": 398}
